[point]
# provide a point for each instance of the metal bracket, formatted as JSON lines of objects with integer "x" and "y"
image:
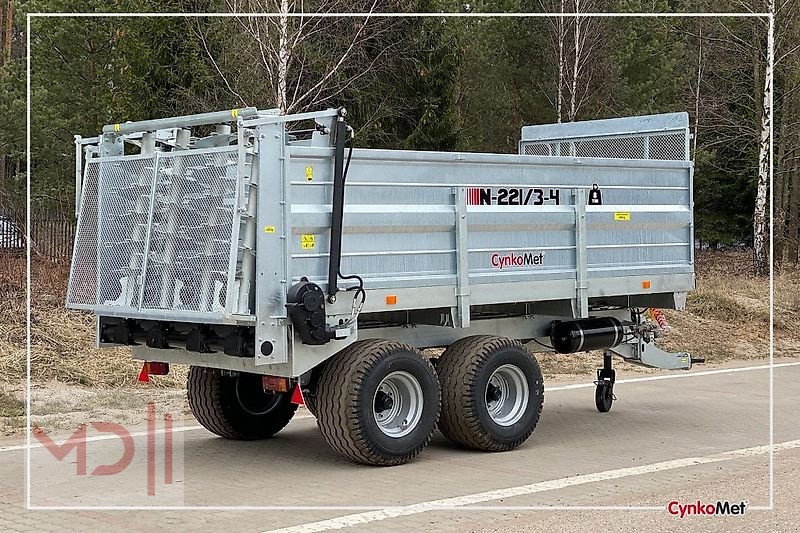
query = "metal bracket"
{"x": 650, "y": 355}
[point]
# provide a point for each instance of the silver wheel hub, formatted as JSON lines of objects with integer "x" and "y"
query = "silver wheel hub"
{"x": 507, "y": 395}
{"x": 397, "y": 404}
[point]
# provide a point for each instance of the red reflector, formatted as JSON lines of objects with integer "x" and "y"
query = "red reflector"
{"x": 158, "y": 369}
{"x": 151, "y": 368}
{"x": 275, "y": 383}
{"x": 297, "y": 395}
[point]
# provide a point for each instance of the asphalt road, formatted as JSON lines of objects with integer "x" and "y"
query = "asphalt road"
{"x": 700, "y": 437}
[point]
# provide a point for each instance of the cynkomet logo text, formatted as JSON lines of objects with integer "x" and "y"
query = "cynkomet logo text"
{"x": 698, "y": 508}
{"x": 516, "y": 260}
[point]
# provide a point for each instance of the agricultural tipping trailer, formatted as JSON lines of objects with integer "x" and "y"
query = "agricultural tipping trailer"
{"x": 281, "y": 263}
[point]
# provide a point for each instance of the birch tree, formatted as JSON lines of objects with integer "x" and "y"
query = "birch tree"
{"x": 761, "y": 256}
{"x": 760, "y": 233}
{"x": 698, "y": 83}
{"x": 296, "y": 60}
{"x": 558, "y": 36}
{"x": 576, "y": 61}
{"x": 574, "y": 40}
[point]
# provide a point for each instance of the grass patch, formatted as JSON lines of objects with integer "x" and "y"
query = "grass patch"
{"x": 11, "y": 406}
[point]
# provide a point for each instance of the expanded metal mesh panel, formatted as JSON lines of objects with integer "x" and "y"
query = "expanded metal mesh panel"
{"x": 156, "y": 233}
{"x": 82, "y": 290}
{"x": 537, "y": 149}
{"x": 614, "y": 147}
{"x": 125, "y": 186}
{"x": 189, "y": 255}
{"x": 670, "y": 147}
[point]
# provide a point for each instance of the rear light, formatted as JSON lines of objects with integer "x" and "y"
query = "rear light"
{"x": 153, "y": 368}
{"x": 275, "y": 383}
{"x": 157, "y": 369}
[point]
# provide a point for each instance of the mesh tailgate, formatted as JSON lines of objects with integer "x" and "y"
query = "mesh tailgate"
{"x": 155, "y": 233}
{"x": 190, "y": 247}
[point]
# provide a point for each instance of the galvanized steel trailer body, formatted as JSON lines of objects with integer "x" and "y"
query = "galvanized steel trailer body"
{"x": 415, "y": 228}
{"x": 222, "y": 241}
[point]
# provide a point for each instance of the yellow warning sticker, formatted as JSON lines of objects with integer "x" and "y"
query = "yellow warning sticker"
{"x": 309, "y": 174}
{"x": 622, "y": 216}
{"x": 307, "y": 242}
{"x": 269, "y": 229}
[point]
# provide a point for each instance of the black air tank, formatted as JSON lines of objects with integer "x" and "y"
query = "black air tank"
{"x": 586, "y": 334}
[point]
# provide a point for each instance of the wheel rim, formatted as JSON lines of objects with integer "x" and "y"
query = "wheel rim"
{"x": 251, "y": 396}
{"x": 397, "y": 404}
{"x": 507, "y": 395}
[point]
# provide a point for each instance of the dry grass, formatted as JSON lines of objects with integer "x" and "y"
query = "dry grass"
{"x": 62, "y": 407}
{"x": 11, "y": 405}
{"x": 727, "y": 317}
{"x": 62, "y": 340}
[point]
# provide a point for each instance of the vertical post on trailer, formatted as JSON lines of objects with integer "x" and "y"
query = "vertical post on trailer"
{"x": 272, "y": 249}
{"x": 462, "y": 258}
{"x": 580, "y": 198}
{"x": 78, "y": 173}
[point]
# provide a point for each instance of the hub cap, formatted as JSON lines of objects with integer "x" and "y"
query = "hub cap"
{"x": 507, "y": 395}
{"x": 397, "y": 405}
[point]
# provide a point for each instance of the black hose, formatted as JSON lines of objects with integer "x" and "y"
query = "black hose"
{"x": 337, "y": 208}
{"x": 360, "y": 288}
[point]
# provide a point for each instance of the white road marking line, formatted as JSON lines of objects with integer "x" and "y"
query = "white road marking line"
{"x": 101, "y": 437}
{"x": 458, "y": 502}
{"x": 112, "y": 437}
{"x": 547, "y": 389}
{"x": 683, "y": 374}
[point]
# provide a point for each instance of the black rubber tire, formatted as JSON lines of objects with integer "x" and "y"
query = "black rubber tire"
{"x": 345, "y": 396}
{"x": 310, "y": 391}
{"x": 310, "y": 401}
{"x": 464, "y": 371}
{"x": 215, "y": 403}
{"x": 603, "y": 397}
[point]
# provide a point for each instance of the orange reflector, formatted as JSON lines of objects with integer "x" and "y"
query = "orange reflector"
{"x": 297, "y": 395}
{"x": 645, "y": 284}
{"x": 391, "y": 299}
{"x": 275, "y": 383}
